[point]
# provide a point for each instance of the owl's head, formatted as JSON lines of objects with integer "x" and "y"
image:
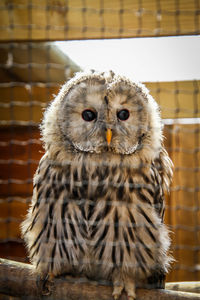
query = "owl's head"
{"x": 103, "y": 113}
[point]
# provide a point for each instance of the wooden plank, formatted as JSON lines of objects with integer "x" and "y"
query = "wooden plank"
{"x": 13, "y": 250}
{"x": 184, "y": 202}
{"x": 31, "y": 73}
{"x": 36, "y": 62}
{"x": 20, "y": 151}
{"x": 96, "y": 19}
{"x": 25, "y": 103}
{"x": 178, "y": 99}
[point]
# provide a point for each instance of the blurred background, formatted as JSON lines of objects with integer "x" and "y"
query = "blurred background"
{"x": 44, "y": 43}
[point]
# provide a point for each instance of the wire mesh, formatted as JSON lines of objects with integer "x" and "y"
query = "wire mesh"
{"x": 80, "y": 19}
{"x": 32, "y": 70}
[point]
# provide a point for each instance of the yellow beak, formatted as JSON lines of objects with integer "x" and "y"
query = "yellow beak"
{"x": 108, "y": 135}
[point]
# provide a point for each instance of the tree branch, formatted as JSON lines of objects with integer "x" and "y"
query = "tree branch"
{"x": 21, "y": 280}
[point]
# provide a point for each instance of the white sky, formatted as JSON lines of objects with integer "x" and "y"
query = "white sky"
{"x": 143, "y": 59}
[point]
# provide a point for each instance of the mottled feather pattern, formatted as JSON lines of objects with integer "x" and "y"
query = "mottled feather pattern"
{"x": 71, "y": 216}
{"x": 99, "y": 212}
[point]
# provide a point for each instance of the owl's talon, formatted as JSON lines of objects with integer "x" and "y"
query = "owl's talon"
{"x": 45, "y": 284}
{"x": 116, "y": 297}
{"x": 129, "y": 286}
{"x": 117, "y": 292}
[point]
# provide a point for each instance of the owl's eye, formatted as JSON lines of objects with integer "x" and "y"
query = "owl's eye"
{"x": 123, "y": 114}
{"x": 89, "y": 115}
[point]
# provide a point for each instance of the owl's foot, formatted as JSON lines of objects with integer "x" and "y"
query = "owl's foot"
{"x": 118, "y": 284}
{"x": 129, "y": 286}
{"x": 45, "y": 284}
{"x": 117, "y": 290}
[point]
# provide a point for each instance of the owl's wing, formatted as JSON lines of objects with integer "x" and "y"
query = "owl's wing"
{"x": 54, "y": 228}
{"x": 40, "y": 229}
{"x": 165, "y": 166}
{"x": 162, "y": 173}
{"x": 37, "y": 219}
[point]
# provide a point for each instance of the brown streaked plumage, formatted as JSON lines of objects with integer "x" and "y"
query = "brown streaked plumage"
{"x": 98, "y": 200}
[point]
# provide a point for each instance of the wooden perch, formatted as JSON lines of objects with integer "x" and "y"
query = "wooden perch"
{"x": 186, "y": 286}
{"x": 21, "y": 280}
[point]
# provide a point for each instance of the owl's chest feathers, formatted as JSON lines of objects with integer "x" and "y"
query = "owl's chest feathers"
{"x": 96, "y": 190}
{"x": 86, "y": 182}
{"x": 93, "y": 182}
{"x": 106, "y": 211}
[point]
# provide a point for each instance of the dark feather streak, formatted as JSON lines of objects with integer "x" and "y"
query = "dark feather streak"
{"x": 60, "y": 250}
{"x": 131, "y": 185}
{"x": 133, "y": 223}
{"x": 107, "y": 207}
{"x": 33, "y": 222}
{"x": 55, "y": 231}
{"x": 48, "y": 233}
{"x": 131, "y": 234}
{"x": 75, "y": 176}
{"x": 94, "y": 227}
{"x": 121, "y": 255}
{"x": 90, "y": 210}
{"x": 146, "y": 248}
{"x": 150, "y": 234}
{"x": 46, "y": 172}
{"x": 140, "y": 263}
{"x": 141, "y": 257}
{"x": 114, "y": 254}
{"x": 101, "y": 191}
{"x": 59, "y": 176}
{"x": 71, "y": 225}
{"x": 146, "y": 217}
{"x": 51, "y": 206}
{"x": 52, "y": 256}
{"x": 145, "y": 177}
{"x": 40, "y": 234}
{"x": 64, "y": 208}
{"x": 126, "y": 242}
{"x": 102, "y": 236}
{"x": 120, "y": 192}
{"x": 102, "y": 251}
{"x": 64, "y": 248}
{"x": 116, "y": 225}
{"x": 36, "y": 250}
{"x": 39, "y": 183}
{"x": 143, "y": 197}
{"x": 82, "y": 209}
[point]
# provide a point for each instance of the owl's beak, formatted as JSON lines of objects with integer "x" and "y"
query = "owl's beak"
{"x": 108, "y": 136}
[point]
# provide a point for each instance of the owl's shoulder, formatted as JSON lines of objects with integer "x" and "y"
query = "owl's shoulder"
{"x": 47, "y": 170}
{"x": 164, "y": 166}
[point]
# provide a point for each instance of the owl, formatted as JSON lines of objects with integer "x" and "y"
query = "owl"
{"x": 98, "y": 196}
